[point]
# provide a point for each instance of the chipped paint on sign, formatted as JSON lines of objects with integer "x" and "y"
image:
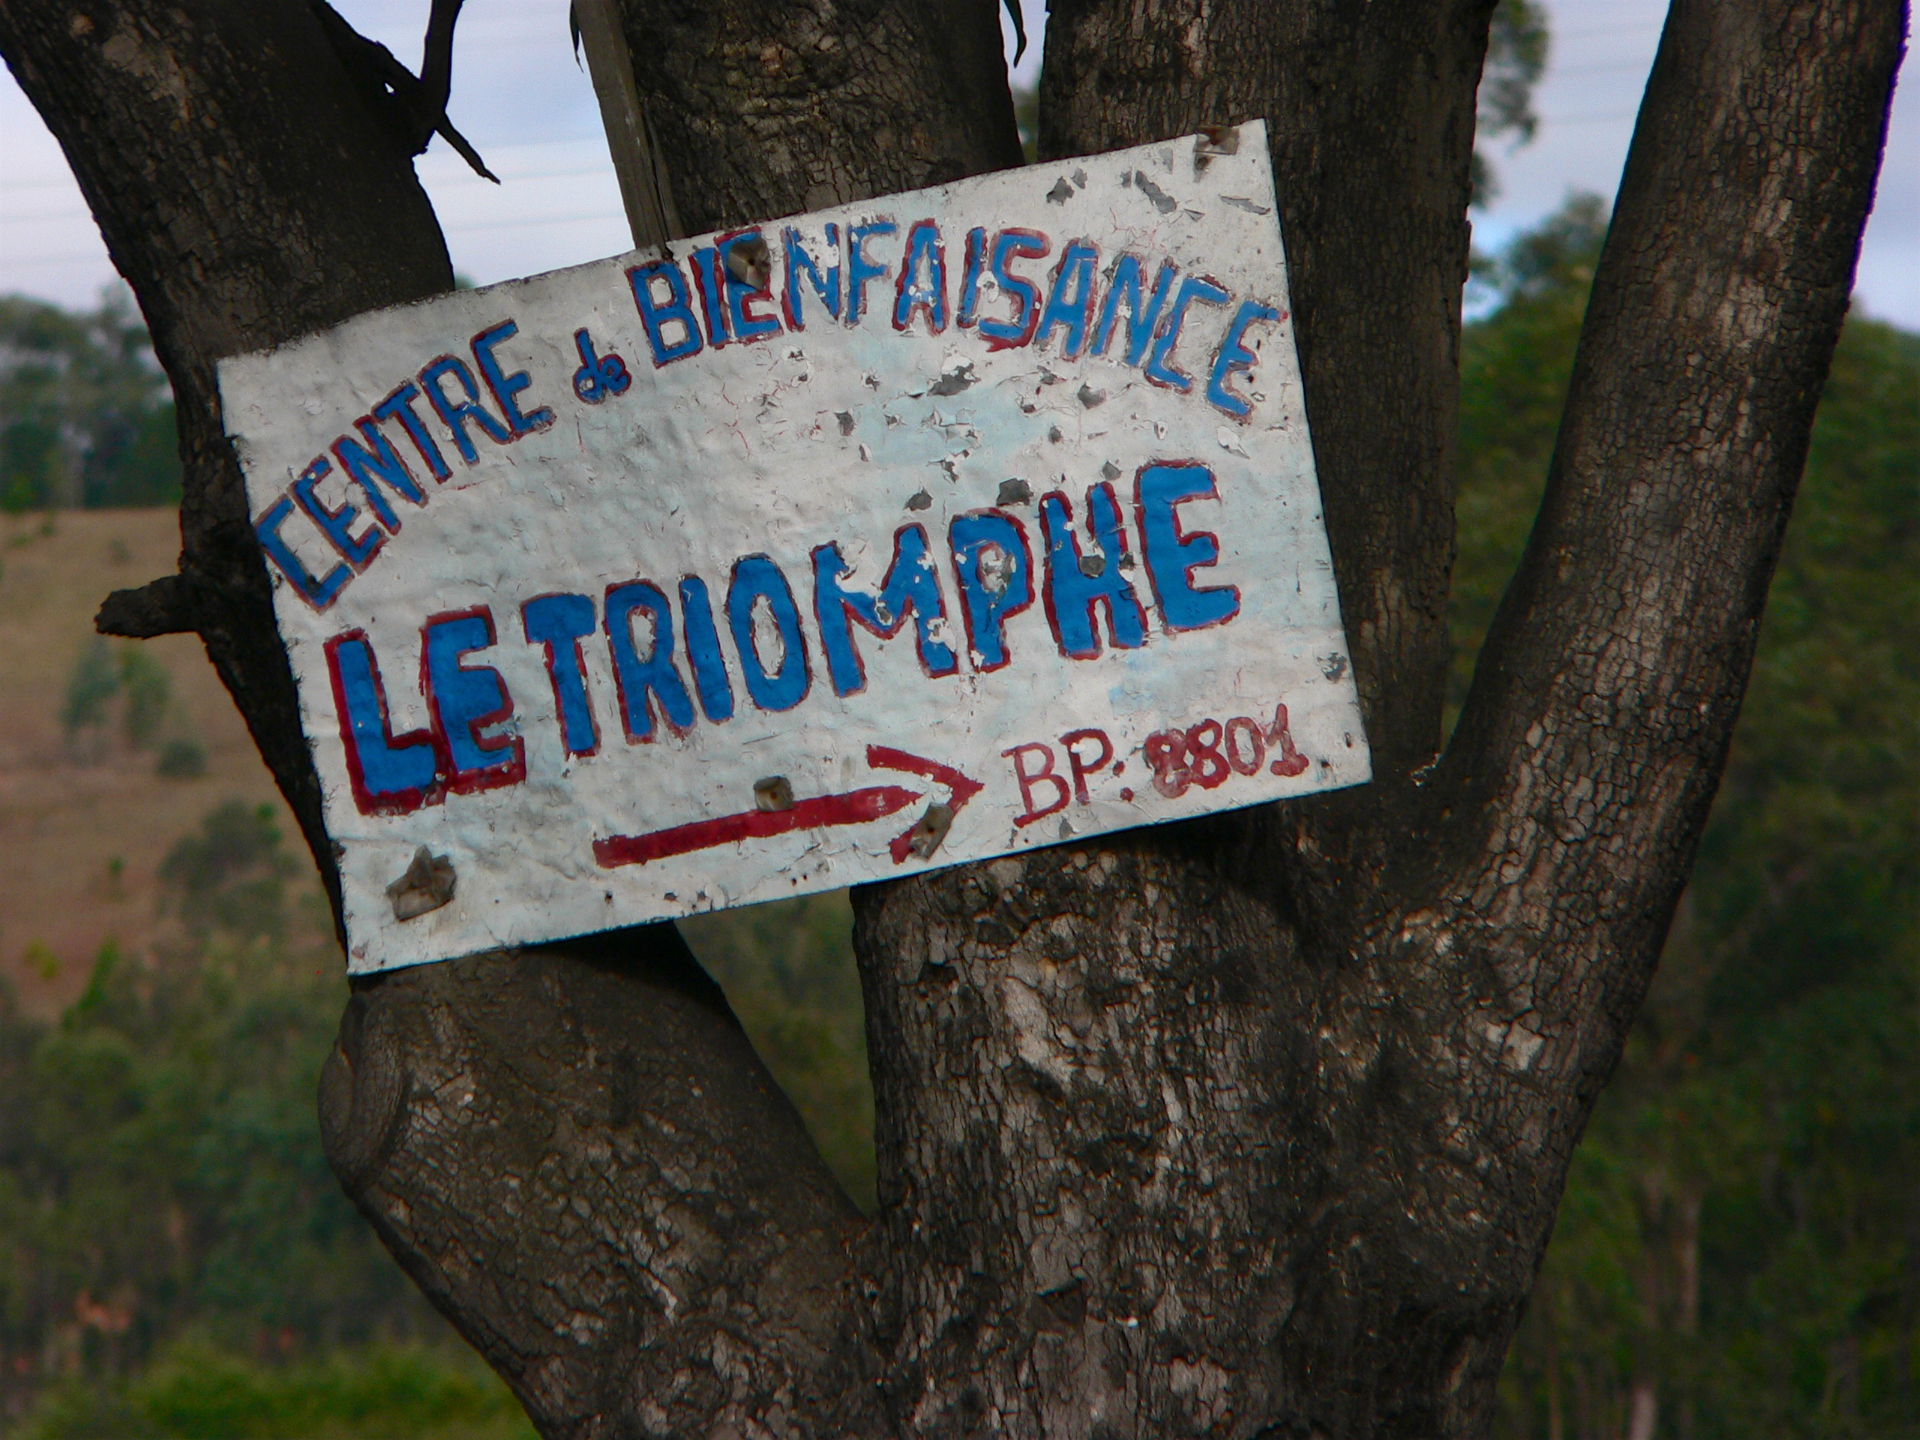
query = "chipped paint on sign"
{"x": 897, "y": 535}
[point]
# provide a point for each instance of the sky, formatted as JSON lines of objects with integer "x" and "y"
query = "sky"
{"x": 530, "y": 111}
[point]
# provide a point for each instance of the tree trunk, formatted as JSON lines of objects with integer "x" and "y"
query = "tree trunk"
{"x": 1246, "y": 1127}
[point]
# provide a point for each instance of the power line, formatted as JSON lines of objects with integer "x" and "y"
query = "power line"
{"x": 1636, "y": 27}
{"x": 1609, "y": 69}
{"x": 534, "y": 220}
{"x": 1587, "y": 119}
{"x": 460, "y": 177}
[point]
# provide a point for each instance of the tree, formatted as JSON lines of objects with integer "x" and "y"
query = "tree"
{"x": 83, "y": 415}
{"x": 1253, "y": 1126}
{"x": 1732, "y": 1255}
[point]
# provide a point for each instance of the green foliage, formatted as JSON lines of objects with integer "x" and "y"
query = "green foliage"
{"x": 789, "y": 974}
{"x": 1516, "y": 59}
{"x": 139, "y": 682}
{"x": 175, "y": 1257}
{"x": 148, "y": 689}
{"x": 232, "y": 876}
{"x": 91, "y": 685}
{"x": 85, "y": 414}
{"x": 161, "y": 1178}
{"x": 200, "y": 1392}
{"x": 1026, "y": 119}
{"x": 1739, "y": 1235}
{"x": 181, "y": 758}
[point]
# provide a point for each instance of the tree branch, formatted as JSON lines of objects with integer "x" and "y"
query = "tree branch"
{"x": 574, "y": 1150}
{"x": 764, "y": 107}
{"x": 1370, "y": 114}
{"x": 576, "y": 1154}
{"x": 414, "y": 108}
{"x": 1571, "y": 800}
{"x": 167, "y": 606}
{"x": 192, "y": 132}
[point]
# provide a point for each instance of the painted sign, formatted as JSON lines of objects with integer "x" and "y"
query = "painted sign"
{"x": 818, "y": 552}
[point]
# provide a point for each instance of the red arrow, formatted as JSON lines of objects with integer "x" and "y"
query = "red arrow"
{"x": 855, "y": 807}
{"x": 961, "y": 787}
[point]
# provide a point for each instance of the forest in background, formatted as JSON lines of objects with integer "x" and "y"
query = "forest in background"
{"x": 86, "y": 416}
{"x": 1739, "y": 1249}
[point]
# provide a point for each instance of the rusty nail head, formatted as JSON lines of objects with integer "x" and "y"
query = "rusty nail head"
{"x": 773, "y": 793}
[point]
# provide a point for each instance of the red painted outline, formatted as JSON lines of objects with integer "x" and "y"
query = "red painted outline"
{"x": 1180, "y": 538}
{"x": 393, "y": 802}
{"x": 553, "y": 678}
{"x": 489, "y": 777}
{"x": 936, "y": 318}
{"x": 966, "y": 610}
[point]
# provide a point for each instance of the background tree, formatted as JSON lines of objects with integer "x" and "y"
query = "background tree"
{"x": 84, "y": 415}
{"x": 1734, "y": 1255}
{"x": 1250, "y": 1126}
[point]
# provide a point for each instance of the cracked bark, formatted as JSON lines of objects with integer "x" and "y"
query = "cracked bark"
{"x": 1247, "y": 1127}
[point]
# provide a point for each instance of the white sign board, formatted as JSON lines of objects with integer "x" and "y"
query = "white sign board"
{"x": 898, "y": 535}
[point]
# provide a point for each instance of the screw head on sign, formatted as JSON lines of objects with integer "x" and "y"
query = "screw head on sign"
{"x": 773, "y": 793}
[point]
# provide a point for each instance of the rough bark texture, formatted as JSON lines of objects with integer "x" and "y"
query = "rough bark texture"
{"x": 770, "y": 107}
{"x": 1252, "y": 1127}
{"x": 218, "y": 144}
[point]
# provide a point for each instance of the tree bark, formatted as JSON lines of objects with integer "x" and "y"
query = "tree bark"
{"x": 1247, "y": 1127}
{"x": 196, "y": 135}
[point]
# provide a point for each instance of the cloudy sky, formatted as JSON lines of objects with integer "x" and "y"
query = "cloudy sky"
{"x": 530, "y": 111}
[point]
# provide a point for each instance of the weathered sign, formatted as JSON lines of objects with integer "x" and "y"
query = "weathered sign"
{"x": 822, "y": 551}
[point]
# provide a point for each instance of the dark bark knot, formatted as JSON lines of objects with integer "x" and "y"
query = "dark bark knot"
{"x": 362, "y": 1096}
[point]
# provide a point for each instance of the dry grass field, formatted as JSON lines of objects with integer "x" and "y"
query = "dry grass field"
{"x": 86, "y": 819}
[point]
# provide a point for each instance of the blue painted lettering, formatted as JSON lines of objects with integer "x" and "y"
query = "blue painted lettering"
{"x": 504, "y": 386}
{"x": 741, "y": 291}
{"x": 703, "y": 651}
{"x": 1077, "y": 583}
{"x": 656, "y": 676}
{"x": 1070, "y": 300}
{"x": 994, "y": 568}
{"x": 1008, "y": 246}
{"x": 389, "y": 774}
{"x": 1141, "y": 318}
{"x": 1160, "y": 369}
{"x": 861, "y": 270}
{"x": 1234, "y": 355}
{"x": 798, "y": 260}
{"x": 560, "y": 622}
{"x": 337, "y": 525}
{"x": 657, "y": 312}
{"x": 373, "y": 464}
{"x": 1172, "y": 556}
{"x": 910, "y": 586}
{"x": 757, "y": 578}
{"x": 458, "y": 414}
{"x": 317, "y": 593}
{"x": 464, "y": 700}
{"x": 928, "y": 294}
{"x": 399, "y": 406}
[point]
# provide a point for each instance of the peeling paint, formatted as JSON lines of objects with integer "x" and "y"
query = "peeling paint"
{"x": 908, "y": 533}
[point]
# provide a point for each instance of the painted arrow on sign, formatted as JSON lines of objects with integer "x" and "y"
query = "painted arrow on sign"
{"x": 854, "y": 807}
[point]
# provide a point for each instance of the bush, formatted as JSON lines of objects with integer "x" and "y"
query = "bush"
{"x": 182, "y": 758}
{"x": 91, "y": 685}
{"x": 199, "y": 1392}
{"x": 148, "y": 689}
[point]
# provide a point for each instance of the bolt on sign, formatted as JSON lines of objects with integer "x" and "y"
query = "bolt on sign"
{"x": 828, "y": 550}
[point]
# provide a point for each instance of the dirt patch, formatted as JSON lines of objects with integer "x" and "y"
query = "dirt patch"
{"x": 86, "y": 816}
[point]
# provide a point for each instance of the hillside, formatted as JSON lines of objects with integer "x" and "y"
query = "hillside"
{"x": 86, "y": 818}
